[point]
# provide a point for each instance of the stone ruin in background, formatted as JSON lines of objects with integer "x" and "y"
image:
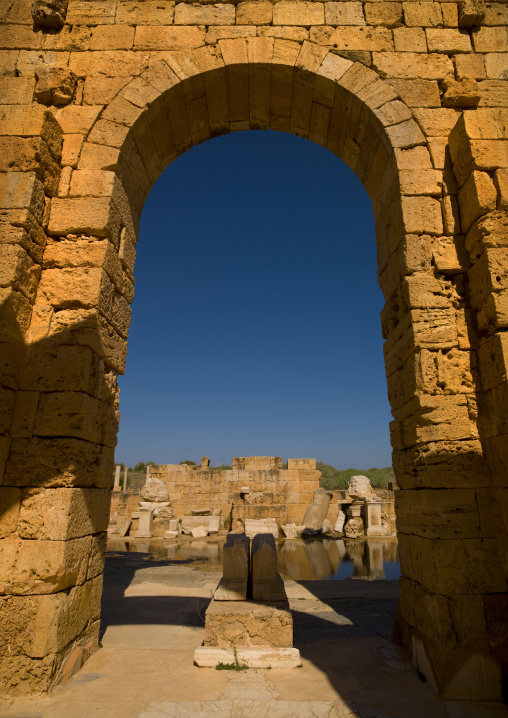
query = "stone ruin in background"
{"x": 257, "y": 496}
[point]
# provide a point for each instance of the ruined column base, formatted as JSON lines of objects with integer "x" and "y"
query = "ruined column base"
{"x": 263, "y": 657}
{"x": 246, "y": 624}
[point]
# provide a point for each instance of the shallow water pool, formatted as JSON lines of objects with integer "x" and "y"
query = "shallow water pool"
{"x": 300, "y": 560}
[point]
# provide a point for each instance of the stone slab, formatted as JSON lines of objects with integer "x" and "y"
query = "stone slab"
{"x": 210, "y": 523}
{"x": 208, "y": 657}
{"x": 261, "y": 526}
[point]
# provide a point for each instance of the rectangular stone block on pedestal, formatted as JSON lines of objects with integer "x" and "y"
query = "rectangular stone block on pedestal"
{"x": 145, "y": 528}
{"x": 374, "y": 527}
{"x": 261, "y": 526}
{"x": 235, "y": 575}
{"x": 266, "y": 585}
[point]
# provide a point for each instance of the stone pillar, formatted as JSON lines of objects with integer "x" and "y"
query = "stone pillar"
{"x": 266, "y": 583}
{"x": 145, "y": 528}
{"x": 118, "y": 470}
{"x": 234, "y": 583}
{"x": 373, "y": 525}
{"x": 125, "y": 474}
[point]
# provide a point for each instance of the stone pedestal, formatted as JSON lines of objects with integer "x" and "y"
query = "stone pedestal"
{"x": 145, "y": 529}
{"x": 245, "y": 624}
{"x": 355, "y": 510}
{"x": 373, "y": 525}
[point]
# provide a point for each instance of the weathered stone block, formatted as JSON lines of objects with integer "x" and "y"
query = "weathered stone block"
{"x": 54, "y": 86}
{"x": 234, "y": 583}
{"x": 49, "y": 13}
{"x": 63, "y": 514}
{"x": 266, "y": 584}
{"x": 247, "y": 624}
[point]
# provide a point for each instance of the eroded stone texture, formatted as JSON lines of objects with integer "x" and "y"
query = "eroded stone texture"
{"x": 49, "y": 13}
{"x": 384, "y": 88}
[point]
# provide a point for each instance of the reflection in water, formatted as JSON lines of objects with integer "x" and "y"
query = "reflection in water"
{"x": 299, "y": 560}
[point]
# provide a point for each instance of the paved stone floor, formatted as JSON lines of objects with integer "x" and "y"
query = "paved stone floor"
{"x": 153, "y": 620}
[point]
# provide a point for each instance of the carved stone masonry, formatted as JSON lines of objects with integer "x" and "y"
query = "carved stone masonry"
{"x": 49, "y": 13}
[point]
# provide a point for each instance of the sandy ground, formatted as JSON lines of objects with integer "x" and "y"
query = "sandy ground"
{"x": 153, "y": 619}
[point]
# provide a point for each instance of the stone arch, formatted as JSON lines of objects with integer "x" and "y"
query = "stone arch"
{"x": 81, "y": 316}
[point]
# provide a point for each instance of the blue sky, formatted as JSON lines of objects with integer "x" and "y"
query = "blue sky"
{"x": 255, "y": 327}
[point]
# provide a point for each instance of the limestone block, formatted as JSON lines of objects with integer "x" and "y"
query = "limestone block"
{"x": 90, "y": 216}
{"x": 49, "y": 13}
{"x": 339, "y": 13}
{"x": 448, "y": 40}
{"x": 207, "y": 656}
{"x": 210, "y": 523}
{"x": 112, "y": 37}
{"x": 170, "y": 534}
{"x": 477, "y": 197}
{"x": 61, "y": 617}
{"x": 412, "y": 65}
{"x": 470, "y": 66}
{"x": 471, "y": 13}
{"x": 421, "y": 182}
{"x": 370, "y": 39}
{"x": 422, "y": 215}
{"x": 462, "y": 566}
{"x": 68, "y": 287}
{"x": 423, "y": 14}
{"x": 145, "y": 526}
{"x": 145, "y": 12}
{"x": 289, "y": 12}
{"x": 10, "y": 503}
{"x": 442, "y": 513}
{"x": 245, "y": 624}
{"x": 266, "y": 585}
{"x": 54, "y": 86}
{"x": 176, "y": 38}
{"x": 388, "y": 14}
{"x": 417, "y": 93}
{"x": 42, "y": 567}
{"x": 16, "y": 90}
{"x": 450, "y": 14}
{"x": 460, "y": 93}
{"x": 22, "y": 190}
{"x": 339, "y": 524}
{"x": 77, "y": 414}
{"x": 154, "y": 490}
{"x": 490, "y": 39}
{"x": 254, "y": 13}
{"x": 196, "y": 14}
{"x": 290, "y": 531}
{"x": 83, "y": 12}
{"x": 436, "y": 122}
{"x": 233, "y": 585}
{"x": 409, "y": 39}
{"x": 300, "y": 464}
{"x": 199, "y": 532}
{"x": 261, "y": 526}
{"x": 62, "y": 514}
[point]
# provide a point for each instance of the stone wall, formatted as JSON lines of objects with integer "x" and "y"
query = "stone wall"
{"x": 98, "y": 98}
{"x": 273, "y": 492}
